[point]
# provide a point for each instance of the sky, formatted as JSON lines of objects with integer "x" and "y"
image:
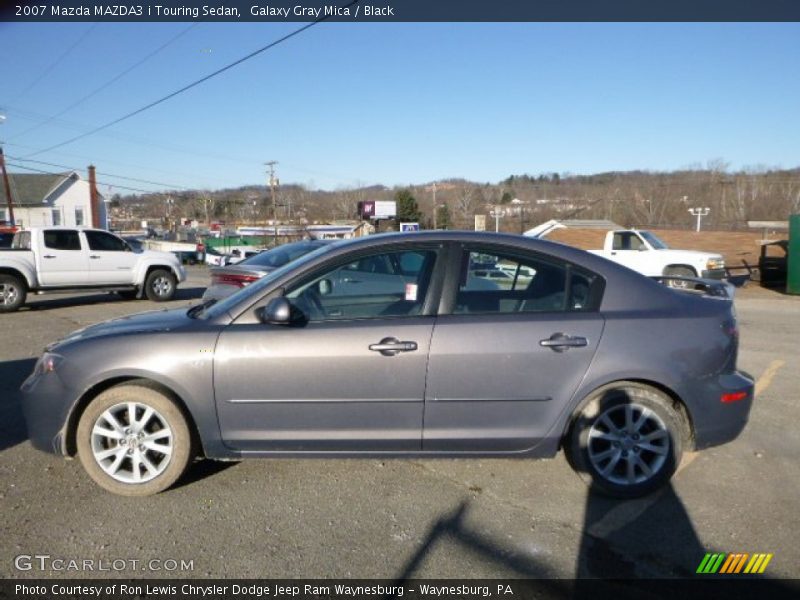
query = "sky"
{"x": 342, "y": 104}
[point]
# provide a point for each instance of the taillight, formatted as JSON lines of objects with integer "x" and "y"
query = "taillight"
{"x": 233, "y": 279}
{"x": 733, "y": 397}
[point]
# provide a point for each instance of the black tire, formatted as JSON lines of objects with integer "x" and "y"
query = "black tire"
{"x": 13, "y": 292}
{"x": 166, "y": 424}
{"x": 160, "y": 285}
{"x": 679, "y": 272}
{"x": 128, "y": 294}
{"x": 657, "y": 442}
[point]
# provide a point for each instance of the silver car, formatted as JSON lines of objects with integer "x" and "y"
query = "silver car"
{"x": 381, "y": 347}
{"x": 226, "y": 280}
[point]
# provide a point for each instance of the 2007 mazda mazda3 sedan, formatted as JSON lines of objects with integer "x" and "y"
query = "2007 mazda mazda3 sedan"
{"x": 401, "y": 345}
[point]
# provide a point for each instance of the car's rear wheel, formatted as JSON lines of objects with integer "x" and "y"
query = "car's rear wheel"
{"x": 160, "y": 285}
{"x": 627, "y": 440}
{"x": 12, "y": 293}
{"x": 134, "y": 441}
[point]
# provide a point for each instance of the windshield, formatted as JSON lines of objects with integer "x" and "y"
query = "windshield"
{"x": 654, "y": 240}
{"x": 277, "y": 257}
{"x": 223, "y": 306}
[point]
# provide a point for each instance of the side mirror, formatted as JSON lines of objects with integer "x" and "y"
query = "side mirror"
{"x": 277, "y": 312}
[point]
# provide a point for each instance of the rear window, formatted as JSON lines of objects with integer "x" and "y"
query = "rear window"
{"x": 277, "y": 257}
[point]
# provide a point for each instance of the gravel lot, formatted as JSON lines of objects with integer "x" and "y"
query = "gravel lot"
{"x": 387, "y": 519}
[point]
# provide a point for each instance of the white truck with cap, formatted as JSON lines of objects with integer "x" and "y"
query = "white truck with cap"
{"x": 68, "y": 259}
{"x": 645, "y": 252}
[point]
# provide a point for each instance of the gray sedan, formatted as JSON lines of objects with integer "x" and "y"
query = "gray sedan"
{"x": 381, "y": 347}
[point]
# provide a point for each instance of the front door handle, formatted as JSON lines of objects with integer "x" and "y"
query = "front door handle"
{"x": 390, "y": 346}
{"x": 560, "y": 342}
{"x": 94, "y": 256}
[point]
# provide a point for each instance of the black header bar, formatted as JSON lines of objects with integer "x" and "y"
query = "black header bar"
{"x": 372, "y": 11}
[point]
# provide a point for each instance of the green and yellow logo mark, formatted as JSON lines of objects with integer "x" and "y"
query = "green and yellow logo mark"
{"x": 734, "y": 563}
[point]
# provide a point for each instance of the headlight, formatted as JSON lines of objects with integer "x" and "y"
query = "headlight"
{"x": 715, "y": 263}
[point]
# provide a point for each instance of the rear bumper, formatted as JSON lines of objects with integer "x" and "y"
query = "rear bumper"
{"x": 717, "y": 422}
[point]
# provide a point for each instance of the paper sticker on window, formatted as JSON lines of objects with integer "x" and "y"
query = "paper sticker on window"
{"x": 411, "y": 292}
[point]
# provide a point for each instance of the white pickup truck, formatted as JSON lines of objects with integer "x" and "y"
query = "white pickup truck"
{"x": 644, "y": 252}
{"x": 59, "y": 259}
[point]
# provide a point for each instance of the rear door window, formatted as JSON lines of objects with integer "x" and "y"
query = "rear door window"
{"x": 62, "y": 239}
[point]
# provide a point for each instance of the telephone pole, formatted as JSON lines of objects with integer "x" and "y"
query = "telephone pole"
{"x": 272, "y": 183}
{"x": 7, "y": 188}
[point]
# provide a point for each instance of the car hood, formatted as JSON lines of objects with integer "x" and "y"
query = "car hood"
{"x": 153, "y": 321}
{"x": 690, "y": 255}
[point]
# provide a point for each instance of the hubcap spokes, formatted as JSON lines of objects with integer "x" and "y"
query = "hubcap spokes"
{"x": 8, "y": 294}
{"x": 162, "y": 286}
{"x": 132, "y": 442}
{"x": 628, "y": 444}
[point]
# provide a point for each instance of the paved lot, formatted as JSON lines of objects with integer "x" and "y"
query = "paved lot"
{"x": 373, "y": 518}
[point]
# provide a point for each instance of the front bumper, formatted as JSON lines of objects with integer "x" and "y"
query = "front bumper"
{"x": 713, "y": 274}
{"x": 46, "y": 411}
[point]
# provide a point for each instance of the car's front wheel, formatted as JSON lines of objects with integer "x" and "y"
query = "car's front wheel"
{"x": 627, "y": 440}
{"x": 134, "y": 441}
{"x": 160, "y": 285}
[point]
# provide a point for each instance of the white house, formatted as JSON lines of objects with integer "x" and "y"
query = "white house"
{"x": 51, "y": 199}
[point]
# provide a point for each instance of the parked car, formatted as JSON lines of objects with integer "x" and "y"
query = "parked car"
{"x": 226, "y": 280}
{"x": 290, "y": 367}
{"x": 645, "y": 252}
{"x": 237, "y": 255}
{"x": 59, "y": 259}
{"x": 215, "y": 258}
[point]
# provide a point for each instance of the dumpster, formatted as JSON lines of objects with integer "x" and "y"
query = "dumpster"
{"x": 793, "y": 256}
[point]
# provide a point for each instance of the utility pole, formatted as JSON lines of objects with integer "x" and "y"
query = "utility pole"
{"x": 7, "y": 186}
{"x": 435, "y": 208}
{"x": 272, "y": 183}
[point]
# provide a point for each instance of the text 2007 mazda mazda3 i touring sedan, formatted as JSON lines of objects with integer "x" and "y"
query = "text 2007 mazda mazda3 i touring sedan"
{"x": 397, "y": 345}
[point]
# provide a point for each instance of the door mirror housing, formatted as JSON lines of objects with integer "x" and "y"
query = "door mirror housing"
{"x": 277, "y": 312}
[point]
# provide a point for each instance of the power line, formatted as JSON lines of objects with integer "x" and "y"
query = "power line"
{"x": 108, "y": 83}
{"x": 41, "y": 162}
{"x": 113, "y": 185}
{"x": 193, "y": 84}
{"x": 56, "y": 62}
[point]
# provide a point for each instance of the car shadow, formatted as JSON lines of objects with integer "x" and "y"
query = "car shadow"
{"x": 642, "y": 548}
{"x": 12, "y": 423}
{"x": 452, "y": 528}
{"x": 203, "y": 469}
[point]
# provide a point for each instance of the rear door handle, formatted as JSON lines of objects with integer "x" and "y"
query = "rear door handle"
{"x": 560, "y": 342}
{"x": 391, "y": 346}
{"x": 93, "y": 256}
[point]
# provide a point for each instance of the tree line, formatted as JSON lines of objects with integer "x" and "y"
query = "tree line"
{"x": 632, "y": 198}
